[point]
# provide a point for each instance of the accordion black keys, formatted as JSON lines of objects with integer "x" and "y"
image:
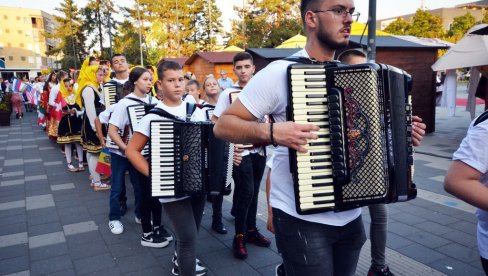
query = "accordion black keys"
{"x": 181, "y": 153}
{"x": 364, "y": 151}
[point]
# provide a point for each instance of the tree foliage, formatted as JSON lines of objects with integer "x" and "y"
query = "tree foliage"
{"x": 461, "y": 25}
{"x": 422, "y": 24}
{"x": 69, "y": 34}
{"x": 269, "y": 21}
{"x": 398, "y": 27}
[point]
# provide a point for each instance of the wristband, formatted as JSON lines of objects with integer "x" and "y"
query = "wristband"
{"x": 271, "y": 135}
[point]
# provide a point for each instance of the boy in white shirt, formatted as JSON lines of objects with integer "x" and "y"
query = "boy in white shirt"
{"x": 185, "y": 213}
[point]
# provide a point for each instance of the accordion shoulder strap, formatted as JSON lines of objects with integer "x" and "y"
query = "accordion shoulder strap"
{"x": 483, "y": 117}
{"x": 307, "y": 60}
{"x": 164, "y": 113}
{"x": 190, "y": 108}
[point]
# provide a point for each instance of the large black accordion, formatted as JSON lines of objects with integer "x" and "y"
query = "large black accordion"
{"x": 135, "y": 114}
{"x": 364, "y": 153}
{"x": 185, "y": 159}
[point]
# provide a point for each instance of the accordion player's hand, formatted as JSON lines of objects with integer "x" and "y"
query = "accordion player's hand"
{"x": 418, "y": 130}
{"x": 237, "y": 157}
{"x": 293, "y": 135}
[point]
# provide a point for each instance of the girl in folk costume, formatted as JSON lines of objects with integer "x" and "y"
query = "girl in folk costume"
{"x": 88, "y": 96}
{"x": 69, "y": 130}
{"x": 44, "y": 102}
{"x": 53, "y": 94}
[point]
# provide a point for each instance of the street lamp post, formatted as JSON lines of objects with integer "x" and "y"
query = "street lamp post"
{"x": 140, "y": 32}
{"x": 372, "y": 31}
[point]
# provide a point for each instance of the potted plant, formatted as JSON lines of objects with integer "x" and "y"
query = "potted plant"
{"x": 5, "y": 111}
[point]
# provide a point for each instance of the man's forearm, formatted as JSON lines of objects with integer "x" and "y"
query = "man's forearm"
{"x": 236, "y": 130}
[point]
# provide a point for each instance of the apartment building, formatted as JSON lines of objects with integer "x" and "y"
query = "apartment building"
{"x": 23, "y": 41}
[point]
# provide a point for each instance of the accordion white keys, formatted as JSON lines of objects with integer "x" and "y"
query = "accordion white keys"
{"x": 364, "y": 151}
{"x": 135, "y": 113}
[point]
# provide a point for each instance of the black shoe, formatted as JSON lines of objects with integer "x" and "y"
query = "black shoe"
{"x": 160, "y": 231}
{"x": 280, "y": 270}
{"x": 385, "y": 271}
{"x": 123, "y": 208}
{"x": 200, "y": 270}
{"x": 151, "y": 240}
{"x": 239, "y": 246}
{"x": 219, "y": 228}
{"x": 253, "y": 236}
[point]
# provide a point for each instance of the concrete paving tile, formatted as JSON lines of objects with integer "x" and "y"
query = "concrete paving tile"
{"x": 32, "y": 160}
{"x": 261, "y": 257}
{"x": 37, "y": 189}
{"x": 40, "y": 201}
{"x": 459, "y": 252}
{"x": 42, "y": 216}
{"x": 67, "y": 186}
{"x": 240, "y": 269}
{"x": 460, "y": 238}
{"x": 45, "y": 228}
{"x": 13, "y": 228}
{"x": 14, "y": 251}
{"x": 208, "y": 245}
{"x": 94, "y": 264}
{"x": 12, "y": 205}
{"x": 35, "y": 177}
{"x": 5, "y": 183}
{"x": 47, "y": 266}
{"x": 48, "y": 251}
{"x": 152, "y": 271}
{"x": 68, "y": 272}
{"x": 83, "y": 238}
{"x": 452, "y": 266}
{"x": 221, "y": 259}
{"x": 464, "y": 226}
{"x": 402, "y": 228}
{"x": 20, "y": 273}
{"x": 12, "y": 174}
{"x": 13, "y": 162}
{"x": 427, "y": 239}
{"x": 86, "y": 250}
{"x": 52, "y": 163}
{"x": 121, "y": 250}
{"x": 421, "y": 253}
{"x": 433, "y": 227}
{"x": 46, "y": 239}
{"x": 12, "y": 212}
{"x": 136, "y": 263}
{"x": 13, "y": 239}
{"x": 14, "y": 265}
{"x": 81, "y": 227}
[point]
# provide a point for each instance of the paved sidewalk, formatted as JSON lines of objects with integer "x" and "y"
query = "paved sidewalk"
{"x": 53, "y": 223}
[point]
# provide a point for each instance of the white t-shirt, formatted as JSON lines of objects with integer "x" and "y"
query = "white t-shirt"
{"x": 53, "y": 93}
{"x": 474, "y": 152}
{"x": 104, "y": 116}
{"x": 144, "y": 126}
{"x": 120, "y": 117}
{"x": 264, "y": 97}
{"x": 222, "y": 104}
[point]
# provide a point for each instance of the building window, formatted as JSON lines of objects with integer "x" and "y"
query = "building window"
{"x": 22, "y": 58}
{"x": 10, "y": 58}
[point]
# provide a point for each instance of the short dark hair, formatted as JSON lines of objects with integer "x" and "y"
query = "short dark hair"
{"x": 61, "y": 75}
{"x": 307, "y": 5}
{"x": 195, "y": 82}
{"x": 116, "y": 55}
{"x": 134, "y": 75}
{"x": 67, "y": 79}
{"x": 354, "y": 52}
{"x": 165, "y": 65}
{"x": 242, "y": 56}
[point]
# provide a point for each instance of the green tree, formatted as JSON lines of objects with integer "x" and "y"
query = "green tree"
{"x": 398, "y": 27}
{"x": 97, "y": 15}
{"x": 425, "y": 24}
{"x": 70, "y": 35}
{"x": 485, "y": 18}
{"x": 127, "y": 42}
{"x": 461, "y": 25}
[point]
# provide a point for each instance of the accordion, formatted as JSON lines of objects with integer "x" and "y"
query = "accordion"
{"x": 136, "y": 112}
{"x": 185, "y": 159}
{"x": 363, "y": 154}
{"x": 112, "y": 93}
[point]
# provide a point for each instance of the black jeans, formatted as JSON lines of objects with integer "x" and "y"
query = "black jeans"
{"x": 150, "y": 206}
{"x": 247, "y": 177}
{"x": 309, "y": 248}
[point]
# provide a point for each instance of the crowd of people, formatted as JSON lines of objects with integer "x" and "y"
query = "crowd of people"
{"x": 251, "y": 113}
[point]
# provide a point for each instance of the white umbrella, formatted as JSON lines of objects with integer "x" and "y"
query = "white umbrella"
{"x": 471, "y": 50}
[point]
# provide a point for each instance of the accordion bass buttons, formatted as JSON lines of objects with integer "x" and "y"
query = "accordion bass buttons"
{"x": 336, "y": 124}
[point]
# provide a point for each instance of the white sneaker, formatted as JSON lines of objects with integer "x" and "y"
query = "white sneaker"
{"x": 116, "y": 227}
{"x": 138, "y": 220}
